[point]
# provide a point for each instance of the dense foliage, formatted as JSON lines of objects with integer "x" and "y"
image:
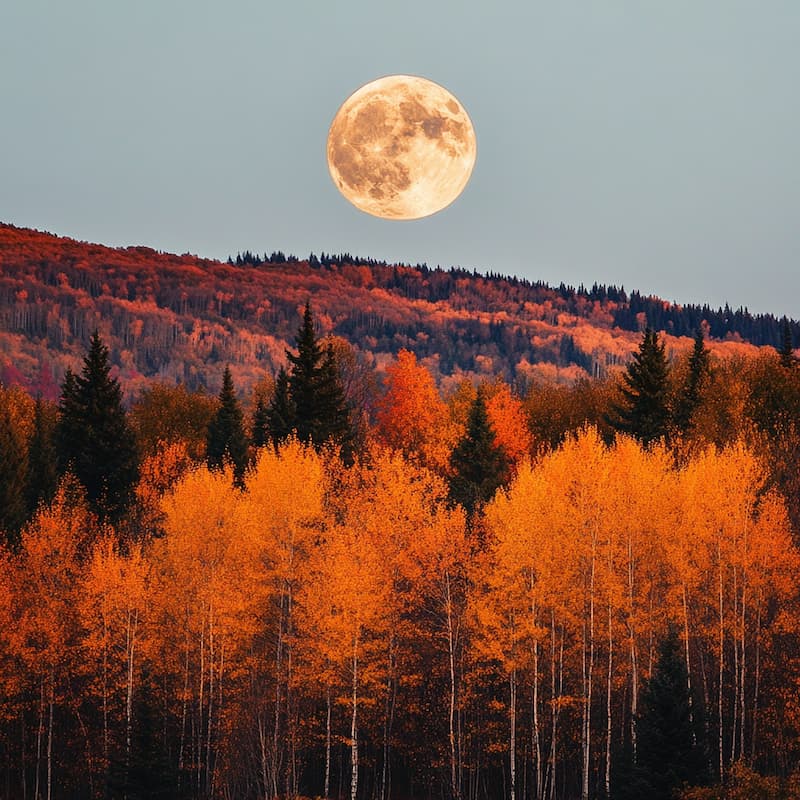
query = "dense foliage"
{"x": 183, "y": 318}
{"x": 496, "y": 598}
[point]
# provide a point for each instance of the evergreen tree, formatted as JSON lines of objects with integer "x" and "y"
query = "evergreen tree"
{"x": 689, "y": 399}
{"x": 644, "y": 413}
{"x": 13, "y": 469}
{"x": 304, "y": 378}
{"x": 42, "y": 478}
{"x": 480, "y": 466}
{"x": 333, "y": 416}
{"x": 69, "y": 428}
{"x": 281, "y": 412}
{"x": 786, "y": 350}
{"x": 94, "y": 439}
{"x": 260, "y": 424}
{"x": 668, "y": 752}
{"x": 226, "y": 440}
{"x": 320, "y": 412}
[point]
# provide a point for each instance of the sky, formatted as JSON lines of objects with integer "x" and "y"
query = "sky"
{"x": 652, "y": 145}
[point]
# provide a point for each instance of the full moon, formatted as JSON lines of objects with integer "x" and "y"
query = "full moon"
{"x": 401, "y": 147}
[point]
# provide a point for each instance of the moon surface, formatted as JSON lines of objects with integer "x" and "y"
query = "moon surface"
{"x": 401, "y": 147}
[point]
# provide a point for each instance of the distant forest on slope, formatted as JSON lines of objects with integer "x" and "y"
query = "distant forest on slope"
{"x": 178, "y": 318}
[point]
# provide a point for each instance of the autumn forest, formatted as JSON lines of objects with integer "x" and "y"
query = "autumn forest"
{"x": 346, "y": 577}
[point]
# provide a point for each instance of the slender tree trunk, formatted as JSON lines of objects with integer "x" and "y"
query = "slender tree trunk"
{"x": 130, "y": 636}
{"x": 198, "y": 737}
{"x": 291, "y": 768}
{"x": 588, "y": 669}
{"x": 757, "y": 686}
{"x": 721, "y": 668}
{"x": 688, "y": 662}
{"x": 632, "y": 647}
{"x": 536, "y": 747}
{"x": 39, "y": 737}
{"x": 262, "y": 738}
{"x": 743, "y": 667}
{"x": 210, "y": 723}
{"x": 512, "y": 750}
{"x": 556, "y": 693}
{"x": 50, "y": 737}
{"x": 328, "y": 744}
{"x": 181, "y": 760}
{"x": 736, "y": 665}
{"x": 388, "y": 719}
{"x": 354, "y": 726}
{"x": 608, "y": 700}
{"x": 454, "y": 787}
{"x": 275, "y": 766}
{"x": 105, "y": 695}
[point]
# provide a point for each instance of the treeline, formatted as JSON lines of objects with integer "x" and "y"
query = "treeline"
{"x": 330, "y": 589}
{"x": 182, "y": 319}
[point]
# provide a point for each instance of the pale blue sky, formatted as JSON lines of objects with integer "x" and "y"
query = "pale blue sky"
{"x": 650, "y": 144}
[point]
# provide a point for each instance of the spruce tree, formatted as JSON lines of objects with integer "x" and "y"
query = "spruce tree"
{"x": 94, "y": 439}
{"x": 668, "y": 752}
{"x": 318, "y": 405}
{"x": 479, "y": 465}
{"x": 260, "y": 435}
{"x": 644, "y": 413}
{"x": 13, "y": 471}
{"x": 786, "y": 350}
{"x": 42, "y": 478}
{"x": 226, "y": 440}
{"x": 69, "y": 427}
{"x": 689, "y": 399}
{"x": 333, "y": 416}
{"x": 281, "y": 412}
{"x": 304, "y": 378}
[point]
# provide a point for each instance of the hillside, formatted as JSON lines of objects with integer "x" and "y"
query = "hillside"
{"x": 180, "y": 318}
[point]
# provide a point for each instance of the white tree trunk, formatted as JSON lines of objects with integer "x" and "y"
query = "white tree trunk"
{"x": 354, "y": 726}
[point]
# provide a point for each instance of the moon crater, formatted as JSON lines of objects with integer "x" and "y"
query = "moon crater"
{"x": 401, "y": 147}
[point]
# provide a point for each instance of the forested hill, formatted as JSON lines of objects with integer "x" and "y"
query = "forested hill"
{"x": 180, "y": 318}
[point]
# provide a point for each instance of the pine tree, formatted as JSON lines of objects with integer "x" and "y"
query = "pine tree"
{"x": 786, "y": 350}
{"x": 320, "y": 413}
{"x": 94, "y": 439}
{"x": 480, "y": 466}
{"x": 226, "y": 440}
{"x": 69, "y": 428}
{"x": 304, "y": 378}
{"x": 13, "y": 469}
{"x": 333, "y": 416}
{"x": 668, "y": 751}
{"x": 260, "y": 435}
{"x": 281, "y": 412}
{"x": 689, "y": 399}
{"x": 644, "y": 413}
{"x": 42, "y": 478}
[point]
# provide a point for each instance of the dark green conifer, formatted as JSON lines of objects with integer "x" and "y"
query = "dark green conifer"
{"x": 13, "y": 471}
{"x": 260, "y": 435}
{"x": 668, "y": 752}
{"x": 42, "y": 478}
{"x": 645, "y": 413}
{"x": 94, "y": 439}
{"x": 304, "y": 379}
{"x": 689, "y": 398}
{"x": 281, "y": 412}
{"x": 786, "y": 350}
{"x": 318, "y": 406}
{"x": 333, "y": 415}
{"x": 69, "y": 427}
{"x": 480, "y": 466}
{"x": 226, "y": 440}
